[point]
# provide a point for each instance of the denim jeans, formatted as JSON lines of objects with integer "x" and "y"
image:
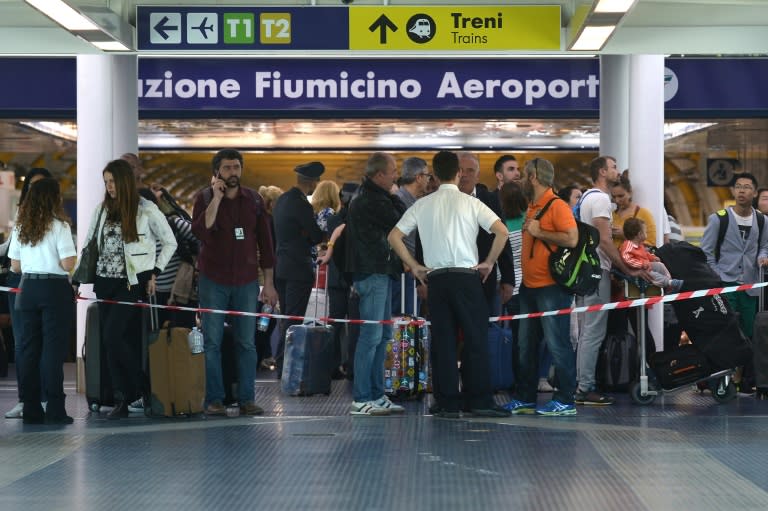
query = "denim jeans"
{"x": 239, "y": 298}
{"x": 375, "y": 291}
{"x": 556, "y": 335}
{"x": 592, "y": 334}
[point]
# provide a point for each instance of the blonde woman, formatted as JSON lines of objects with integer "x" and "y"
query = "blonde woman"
{"x": 270, "y": 195}
{"x": 325, "y": 202}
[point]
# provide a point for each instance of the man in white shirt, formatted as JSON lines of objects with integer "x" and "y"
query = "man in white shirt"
{"x": 448, "y": 222}
{"x": 596, "y": 210}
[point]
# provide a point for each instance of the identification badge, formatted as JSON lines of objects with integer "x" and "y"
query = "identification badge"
{"x": 239, "y": 233}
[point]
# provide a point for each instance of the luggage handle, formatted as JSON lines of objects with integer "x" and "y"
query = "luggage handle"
{"x": 317, "y": 292}
{"x": 153, "y": 320}
{"x": 414, "y": 312}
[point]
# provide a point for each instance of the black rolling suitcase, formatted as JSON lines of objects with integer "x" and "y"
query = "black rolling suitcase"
{"x": 617, "y": 365}
{"x": 98, "y": 385}
{"x": 308, "y": 360}
{"x": 709, "y": 321}
{"x": 760, "y": 345}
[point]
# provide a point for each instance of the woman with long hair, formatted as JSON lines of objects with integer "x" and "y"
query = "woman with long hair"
{"x": 42, "y": 250}
{"x": 325, "y": 202}
{"x": 14, "y": 280}
{"x": 626, "y": 208}
{"x": 127, "y": 227}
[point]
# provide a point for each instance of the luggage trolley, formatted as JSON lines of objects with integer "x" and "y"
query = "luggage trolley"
{"x": 645, "y": 390}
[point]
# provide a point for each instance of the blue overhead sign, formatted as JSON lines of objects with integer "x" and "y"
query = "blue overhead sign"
{"x": 489, "y": 85}
{"x": 207, "y": 87}
{"x": 239, "y": 28}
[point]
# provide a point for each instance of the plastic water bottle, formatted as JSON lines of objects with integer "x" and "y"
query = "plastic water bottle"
{"x": 195, "y": 339}
{"x": 263, "y": 324}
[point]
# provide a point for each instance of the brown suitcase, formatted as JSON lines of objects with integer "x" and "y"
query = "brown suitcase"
{"x": 176, "y": 376}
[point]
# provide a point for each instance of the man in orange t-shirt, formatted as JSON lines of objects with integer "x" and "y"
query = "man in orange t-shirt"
{"x": 538, "y": 293}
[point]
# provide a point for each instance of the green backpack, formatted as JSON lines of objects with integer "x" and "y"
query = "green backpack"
{"x": 577, "y": 269}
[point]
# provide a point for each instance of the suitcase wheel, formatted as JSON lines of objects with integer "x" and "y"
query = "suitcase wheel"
{"x": 637, "y": 397}
{"x": 94, "y": 406}
{"x": 723, "y": 393}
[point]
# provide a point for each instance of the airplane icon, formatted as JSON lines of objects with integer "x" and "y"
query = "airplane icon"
{"x": 203, "y": 28}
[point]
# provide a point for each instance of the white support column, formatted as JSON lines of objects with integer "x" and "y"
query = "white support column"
{"x": 107, "y": 127}
{"x": 614, "y": 108}
{"x": 646, "y": 151}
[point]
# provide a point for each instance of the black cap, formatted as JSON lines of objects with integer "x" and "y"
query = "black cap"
{"x": 311, "y": 170}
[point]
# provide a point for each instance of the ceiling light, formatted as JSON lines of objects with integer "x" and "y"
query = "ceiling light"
{"x": 109, "y": 45}
{"x": 108, "y": 32}
{"x": 593, "y": 38}
{"x": 63, "y": 14}
{"x": 614, "y": 5}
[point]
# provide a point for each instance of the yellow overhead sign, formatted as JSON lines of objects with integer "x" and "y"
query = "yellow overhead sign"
{"x": 519, "y": 28}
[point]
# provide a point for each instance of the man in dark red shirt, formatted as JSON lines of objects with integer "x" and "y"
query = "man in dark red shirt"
{"x": 231, "y": 223}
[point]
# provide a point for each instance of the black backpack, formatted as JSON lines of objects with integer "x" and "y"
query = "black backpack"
{"x": 723, "y": 227}
{"x": 577, "y": 269}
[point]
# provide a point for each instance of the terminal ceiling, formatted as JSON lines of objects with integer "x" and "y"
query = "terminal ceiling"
{"x": 677, "y": 27}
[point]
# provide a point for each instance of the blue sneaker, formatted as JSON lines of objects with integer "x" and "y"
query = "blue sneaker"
{"x": 556, "y": 409}
{"x": 518, "y": 407}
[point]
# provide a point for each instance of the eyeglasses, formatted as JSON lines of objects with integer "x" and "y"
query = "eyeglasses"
{"x": 747, "y": 188}
{"x": 429, "y": 176}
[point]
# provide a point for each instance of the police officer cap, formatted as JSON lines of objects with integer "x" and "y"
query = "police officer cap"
{"x": 311, "y": 170}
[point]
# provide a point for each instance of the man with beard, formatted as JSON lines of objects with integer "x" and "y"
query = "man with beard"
{"x": 596, "y": 210}
{"x": 549, "y": 223}
{"x": 296, "y": 232}
{"x": 231, "y": 223}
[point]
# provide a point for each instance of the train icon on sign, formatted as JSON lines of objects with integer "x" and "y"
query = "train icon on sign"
{"x": 421, "y": 28}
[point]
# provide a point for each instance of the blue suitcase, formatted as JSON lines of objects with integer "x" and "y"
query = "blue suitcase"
{"x": 500, "y": 358}
{"x": 308, "y": 360}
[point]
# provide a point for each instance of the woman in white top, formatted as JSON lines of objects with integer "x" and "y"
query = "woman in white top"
{"x": 127, "y": 227}
{"x": 14, "y": 280}
{"x": 43, "y": 251}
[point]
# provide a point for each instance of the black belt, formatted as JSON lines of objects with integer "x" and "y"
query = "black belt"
{"x": 43, "y": 276}
{"x": 440, "y": 271}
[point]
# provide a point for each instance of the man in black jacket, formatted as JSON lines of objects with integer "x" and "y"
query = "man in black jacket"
{"x": 371, "y": 261}
{"x": 495, "y": 294}
{"x": 296, "y": 232}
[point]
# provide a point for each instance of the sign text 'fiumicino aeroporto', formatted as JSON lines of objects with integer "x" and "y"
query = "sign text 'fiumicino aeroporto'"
{"x": 368, "y": 85}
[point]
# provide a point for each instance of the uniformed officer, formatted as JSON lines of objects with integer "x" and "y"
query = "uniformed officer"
{"x": 296, "y": 232}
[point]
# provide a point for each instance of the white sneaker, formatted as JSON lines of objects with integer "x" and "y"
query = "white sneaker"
{"x": 386, "y": 404}
{"x": 17, "y": 412}
{"x": 137, "y": 406}
{"x": 367, "y": 408}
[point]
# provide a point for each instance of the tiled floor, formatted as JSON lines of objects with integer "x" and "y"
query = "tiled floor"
{"x": 684, "y": 452}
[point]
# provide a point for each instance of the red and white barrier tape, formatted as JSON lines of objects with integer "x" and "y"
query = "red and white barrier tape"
{"x": 625, "y": 304}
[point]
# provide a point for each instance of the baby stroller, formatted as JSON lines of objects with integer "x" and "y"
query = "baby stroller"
{"x": 718, "y": 344}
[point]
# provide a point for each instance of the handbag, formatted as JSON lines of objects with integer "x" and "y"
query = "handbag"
{"x": 85, "y": 273}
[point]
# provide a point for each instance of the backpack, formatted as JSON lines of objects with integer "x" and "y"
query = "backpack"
{"x": 577, "y": 269}
{"x": 724, "y": 218}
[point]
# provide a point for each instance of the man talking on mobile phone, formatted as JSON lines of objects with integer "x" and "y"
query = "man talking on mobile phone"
{"x": 232, "y": 225}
